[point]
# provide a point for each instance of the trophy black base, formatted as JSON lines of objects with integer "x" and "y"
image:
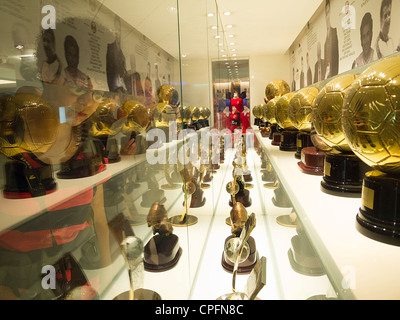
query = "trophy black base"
{"x": 243, "y": 196}
{"x": 17, "y": 186}
{"x": 273, "y": 129}
{"x": 276, "y": 139}
{"x": 246, "y": 266}
{"x": 379, "y": 215}
{"x": 312, "y": 161}
{"x": 162, "y": 253}
{"x": 303, "y": 259}
{"x": 303, "y": 141}
{"x": 288, "y": 141}
{"x": 343, "y": 175}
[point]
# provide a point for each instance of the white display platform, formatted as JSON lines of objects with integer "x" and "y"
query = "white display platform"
{"x": 359, "y": 267}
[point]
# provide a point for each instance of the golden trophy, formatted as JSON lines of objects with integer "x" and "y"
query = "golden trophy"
{"x": 183, "y": 118}
{"x": 193, "y": 197}
{"x": 289, "y": 134}
{"x": 136, "y": 122}
{"x": 343, "y": 170}
{"x": 204, "y": 116}
{"x": 300, "y": 114}
{"x": 275, "y": 89}
{"x": 249, "y": 255}
{"x": 167, "y": 111}
{"x": 237, "y": 251}
{"x": 256, "y": 111}
{"x": 194, "y": 121}
{"x": 162, "y": 252}
{"x": 27, "y": 126}
{"x": 104, "y": 128}
{"x": 269, "y": 115}
{"x": 370, "y": 125}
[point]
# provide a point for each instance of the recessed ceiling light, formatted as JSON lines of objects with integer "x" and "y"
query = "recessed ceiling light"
{"x": 229, "y": 26}
{"x": 224, "y": 55}
{"x": 232, "y": 44}
{"x": 234, "y": 55}
{"x": 217, "y": 37}
{"x": 214, "y": 27}
{"x": 211, "y": 15}
{"x": 231, "y": 36}
{"x": 227, "y": 13}
{"x": 233, "y": 49}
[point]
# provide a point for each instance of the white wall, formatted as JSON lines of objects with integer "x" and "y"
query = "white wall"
{"x": 264, "y": 69}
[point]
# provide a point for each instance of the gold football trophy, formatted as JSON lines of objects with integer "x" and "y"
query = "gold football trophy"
{"x": 167, "y": 111}
{"x": 343, "y": 170}
{"x": 27, "y": 127}
{"x": 268, "y": 111}
{"x": 300, "y": 114}
{"x": 104, "y": 128}
{"x": 289, "y": 134}
{"x": 370, "y": 125}
{"x": 275, "y": 89}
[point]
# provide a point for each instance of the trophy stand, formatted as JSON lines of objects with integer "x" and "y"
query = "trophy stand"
{"x": 249, "y": 258}
{"x": 203, "y": 186}
{"x": 288, "y": 140}
{"x": 312, "y": 161}
{"x": 190, "y": 189}
{"x": 235, "y": 251}
{"x": 377, "y": 218}
{"x": 343, "y": 174}
{"x": 303, "y": 141}
{"x": 162, "y": 252}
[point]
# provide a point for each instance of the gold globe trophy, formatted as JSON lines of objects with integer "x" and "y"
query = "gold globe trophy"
{"x": 268, "y": 111}
{"x": 371, "y": 127}
{"x": 27, "y": 127}
{"x": 204, "y": 116}
{"x": 343, "y": 170}
{"x": 300, "y": 114}
{"x": 256, "y": 111}
{"x": 104, "y": 129}
{"x": 136, "y": 122}
{"x": 166, "y": 111}
{"x": 194, "y": 121}
{"x": 289, "y": 133}
{"x": 275, "y": 89}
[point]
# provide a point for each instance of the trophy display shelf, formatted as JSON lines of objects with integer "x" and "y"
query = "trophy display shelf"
{"x": 312, "y": 161}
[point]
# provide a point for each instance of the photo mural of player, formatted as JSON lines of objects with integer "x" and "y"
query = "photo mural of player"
{"x": 342, "y": 35}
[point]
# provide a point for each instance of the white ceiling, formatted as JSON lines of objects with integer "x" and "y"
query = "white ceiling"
{"x": 260, "y": 27}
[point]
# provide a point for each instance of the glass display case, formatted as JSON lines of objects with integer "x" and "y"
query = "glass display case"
{"x": 121, "y": 179}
